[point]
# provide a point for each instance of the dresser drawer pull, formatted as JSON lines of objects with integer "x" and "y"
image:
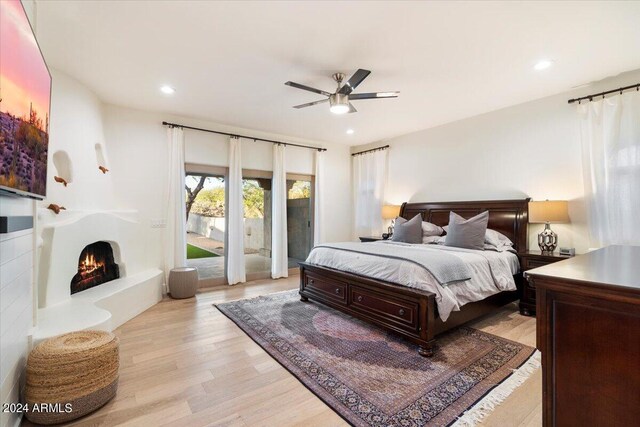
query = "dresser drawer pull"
{"x": 401, "y": 312}
{"x": 338, "y": 291}
{"x": 359, "y": 298}
{"x": 311, "y": 281}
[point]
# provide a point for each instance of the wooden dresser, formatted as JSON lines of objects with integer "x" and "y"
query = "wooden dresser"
{"x": 588, "y": 330}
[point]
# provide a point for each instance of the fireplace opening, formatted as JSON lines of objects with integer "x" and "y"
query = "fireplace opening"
{"x": 96, "y": 265}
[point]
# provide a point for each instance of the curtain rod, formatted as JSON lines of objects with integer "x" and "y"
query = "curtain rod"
{"x": 602, "y": 94}
{"x": 368, "y": 151}
{"x": 175, "y": 125}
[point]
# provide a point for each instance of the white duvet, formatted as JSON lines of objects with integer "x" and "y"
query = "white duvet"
{"x": 492, "y": 272}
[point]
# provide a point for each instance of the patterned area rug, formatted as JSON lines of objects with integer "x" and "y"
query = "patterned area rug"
{"x": 374, "y": 378}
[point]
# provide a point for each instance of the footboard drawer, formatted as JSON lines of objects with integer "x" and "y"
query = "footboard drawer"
{"x": 335, "y": 290}
{"x": 392, "y": 310}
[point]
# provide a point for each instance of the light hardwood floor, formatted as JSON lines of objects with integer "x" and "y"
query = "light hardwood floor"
{"x": 183, "y": 363}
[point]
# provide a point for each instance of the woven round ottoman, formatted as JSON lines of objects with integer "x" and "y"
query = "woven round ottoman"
{"x": 183, "y": 282}
{"x": 71, "y": 375}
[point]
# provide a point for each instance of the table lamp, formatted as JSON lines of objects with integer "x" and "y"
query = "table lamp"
{"x": 390, "y": 212}
{"x": 547, "y": 212}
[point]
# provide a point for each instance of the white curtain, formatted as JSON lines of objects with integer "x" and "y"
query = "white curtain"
{"x": 175, "y": 233}
{"x": 235, "y": 213}
{"x": 369, "y": 178}
{"x": 610, "y": 133}
{"x": 318, "y": 220}
{"x": 279, "y": 258}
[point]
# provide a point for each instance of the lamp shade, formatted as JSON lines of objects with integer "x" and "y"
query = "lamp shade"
{"x": 390, "y": 211}
{"x": 553, "y": 211}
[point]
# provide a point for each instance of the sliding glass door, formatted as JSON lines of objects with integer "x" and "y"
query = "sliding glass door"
{"x": 299, "y": 218}
{"x": 206, "y": 223}
{"x": 256, "y": 192}
{"x": 206, "y": 195}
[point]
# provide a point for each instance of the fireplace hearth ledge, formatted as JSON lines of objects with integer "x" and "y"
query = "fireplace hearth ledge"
{"x": 102, "y": 307}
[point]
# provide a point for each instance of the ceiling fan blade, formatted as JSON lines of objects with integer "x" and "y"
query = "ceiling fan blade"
{"x": 373, "y": 95}
{"x": 309, "y": 104}
{"x": 310, "y": 89}
{"x": 352, "y": 109}
{"x": 354, "y": 81}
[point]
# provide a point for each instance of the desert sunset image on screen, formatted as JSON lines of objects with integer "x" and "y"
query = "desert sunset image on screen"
{"x": 25, "y": 90}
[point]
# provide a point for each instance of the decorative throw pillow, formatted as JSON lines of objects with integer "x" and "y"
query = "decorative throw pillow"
{"x": 492, "y": 238}
{"x": 429, "y": 229}
{"x": 467, "y": 233}
{"x": 408, "y": 231}
{"x": 495, "y": 238}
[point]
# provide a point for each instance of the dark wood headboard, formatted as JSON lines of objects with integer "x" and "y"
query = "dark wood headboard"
{"x": 509, "y": 217}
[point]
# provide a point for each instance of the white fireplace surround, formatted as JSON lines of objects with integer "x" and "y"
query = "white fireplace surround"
{"x": 104, "y": 307}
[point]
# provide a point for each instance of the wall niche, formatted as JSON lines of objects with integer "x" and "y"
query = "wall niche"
{"x": 63, "y": 167}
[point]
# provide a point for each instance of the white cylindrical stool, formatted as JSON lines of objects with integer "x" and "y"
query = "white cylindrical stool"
{"x": 183, "y": 282}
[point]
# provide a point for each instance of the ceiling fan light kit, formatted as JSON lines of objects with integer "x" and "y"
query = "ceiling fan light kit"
{"x": 339, "y": 102}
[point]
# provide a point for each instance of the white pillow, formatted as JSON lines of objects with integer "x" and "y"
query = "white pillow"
{"x": 495, "y": 238}
{"x": 429, "y": 229}
{"x": 431, "y": 239}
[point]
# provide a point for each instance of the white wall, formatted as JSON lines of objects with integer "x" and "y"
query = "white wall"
{"x": 137, "y": 146}
{"x": 532, "y": 149}
{"x": 76, "y": 128}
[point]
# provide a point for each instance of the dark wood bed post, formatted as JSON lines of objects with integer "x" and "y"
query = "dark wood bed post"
{"x": 411, "y": 312}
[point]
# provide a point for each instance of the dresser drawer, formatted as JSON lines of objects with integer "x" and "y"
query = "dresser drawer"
{"x": 529, "y": 293}
{"x": 335, "y": 290}
{"x": 535, "y": 263}
{"x": 393, "y": 310}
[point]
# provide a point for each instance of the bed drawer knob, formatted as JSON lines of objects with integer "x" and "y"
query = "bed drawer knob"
{"x": 359, "y": 298}
{"x": 338, "y": 291}
{"x": 401, "y": 312}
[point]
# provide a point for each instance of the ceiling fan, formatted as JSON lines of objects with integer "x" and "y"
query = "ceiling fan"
{"x": 340, "y": 100}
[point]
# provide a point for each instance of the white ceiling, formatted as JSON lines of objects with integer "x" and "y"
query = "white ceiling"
{"x": 228, "y": 60}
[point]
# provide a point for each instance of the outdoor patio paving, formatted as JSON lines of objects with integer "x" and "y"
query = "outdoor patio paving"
{"x": 209, "y": 268}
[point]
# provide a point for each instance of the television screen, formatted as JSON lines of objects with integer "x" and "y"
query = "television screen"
{"x": 25, "y": 92}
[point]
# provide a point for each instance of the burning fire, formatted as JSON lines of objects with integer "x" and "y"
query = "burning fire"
{"x": 89, "y": 264}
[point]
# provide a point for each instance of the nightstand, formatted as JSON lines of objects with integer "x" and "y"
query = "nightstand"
{"x": 371, "y": 238}
{"x": 529, "y": 260}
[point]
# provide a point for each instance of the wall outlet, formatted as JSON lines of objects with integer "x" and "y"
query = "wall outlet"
{"x": 158, "y": 223}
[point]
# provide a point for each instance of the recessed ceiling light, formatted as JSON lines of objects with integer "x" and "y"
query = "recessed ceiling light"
{"x": 543, "y": 65}
{"x": 350, "y": 131}
{"x": 167, "y": 90}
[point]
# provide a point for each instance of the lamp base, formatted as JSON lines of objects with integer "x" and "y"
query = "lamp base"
{"x": 547, "y": 240}
{"x": 390, "y": 228}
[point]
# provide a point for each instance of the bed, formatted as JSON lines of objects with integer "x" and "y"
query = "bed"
{"x": 410, "y": 311}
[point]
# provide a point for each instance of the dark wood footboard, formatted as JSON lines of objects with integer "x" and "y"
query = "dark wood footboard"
{"x": 405, "y": 311}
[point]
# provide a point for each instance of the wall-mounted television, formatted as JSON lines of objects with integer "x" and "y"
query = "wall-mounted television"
{"x": 25, "y": 99}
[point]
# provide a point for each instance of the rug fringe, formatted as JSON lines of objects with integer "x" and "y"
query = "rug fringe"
{"x": 487, "y": 404}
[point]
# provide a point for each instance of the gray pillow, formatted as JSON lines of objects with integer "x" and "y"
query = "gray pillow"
{"x": 467, "y": 233}
{"x": 408, "y": 231}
